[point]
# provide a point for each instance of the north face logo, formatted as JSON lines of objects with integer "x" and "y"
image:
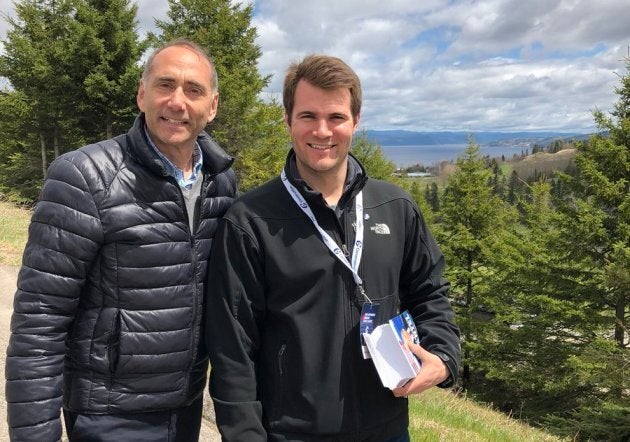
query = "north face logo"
{"x": 380, "y": 229}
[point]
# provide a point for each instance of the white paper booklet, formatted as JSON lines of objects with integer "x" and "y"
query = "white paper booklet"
{"x": 395, "y": 363}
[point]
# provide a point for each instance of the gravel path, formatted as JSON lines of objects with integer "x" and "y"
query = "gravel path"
{"x": 8, "y": 278}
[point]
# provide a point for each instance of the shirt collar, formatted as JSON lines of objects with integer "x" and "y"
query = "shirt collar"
{"x": 175, "y": 171}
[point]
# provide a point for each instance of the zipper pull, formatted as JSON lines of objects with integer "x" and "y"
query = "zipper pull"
{"x": 344, "y": 248}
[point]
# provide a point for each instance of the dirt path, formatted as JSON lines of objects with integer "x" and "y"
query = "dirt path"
{"x": 8, "y": 278}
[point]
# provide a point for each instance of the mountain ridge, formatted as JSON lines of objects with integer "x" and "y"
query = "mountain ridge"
{"x": 409, "y": 138}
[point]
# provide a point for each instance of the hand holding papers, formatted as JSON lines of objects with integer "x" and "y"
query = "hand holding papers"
{"x": 394, "y": 362}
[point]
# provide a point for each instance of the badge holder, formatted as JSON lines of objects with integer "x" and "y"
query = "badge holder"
{"x": 369, "y": 320}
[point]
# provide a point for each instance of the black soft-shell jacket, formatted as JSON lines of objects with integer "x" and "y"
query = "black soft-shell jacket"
{"x": 110, "y": 296}
{"x": 283, "y": 313}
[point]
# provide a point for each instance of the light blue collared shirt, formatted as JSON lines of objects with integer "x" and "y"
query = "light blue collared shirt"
{"x": 175, "y": 171}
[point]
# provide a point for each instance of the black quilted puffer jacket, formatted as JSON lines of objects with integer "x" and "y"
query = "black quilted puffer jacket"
{"x": 108, "y": 310}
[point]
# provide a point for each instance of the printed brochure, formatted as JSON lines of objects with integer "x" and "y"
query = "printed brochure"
{"x": 394, "y": 362}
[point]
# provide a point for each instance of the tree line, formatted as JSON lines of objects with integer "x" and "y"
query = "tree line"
{"x": 539, "y": 268}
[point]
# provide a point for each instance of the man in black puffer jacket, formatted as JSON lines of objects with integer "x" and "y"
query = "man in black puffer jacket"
{"x": 110, "y": 300}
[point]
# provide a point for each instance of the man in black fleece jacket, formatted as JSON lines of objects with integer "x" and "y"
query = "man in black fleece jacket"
{"x": 296, "y": 264}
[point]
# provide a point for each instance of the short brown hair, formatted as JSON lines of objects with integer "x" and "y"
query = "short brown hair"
{"x": 325, "y": 72}
{"x": 214, "y": 81}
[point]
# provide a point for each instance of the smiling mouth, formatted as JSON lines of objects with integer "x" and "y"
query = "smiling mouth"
{"x": 321, "y": 146}
{"x": 176, "y": 122}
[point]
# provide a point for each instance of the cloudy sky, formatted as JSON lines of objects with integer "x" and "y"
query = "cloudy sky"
{"x": 433, "y": 65}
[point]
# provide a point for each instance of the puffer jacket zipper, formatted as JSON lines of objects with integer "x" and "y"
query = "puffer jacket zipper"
{"x": 195, "y": 331}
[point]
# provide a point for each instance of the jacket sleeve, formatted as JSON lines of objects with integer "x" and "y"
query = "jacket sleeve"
{"x": 64, "y": 236}
{"x": 235, "y": 308}
{"x": 424, "y": 292}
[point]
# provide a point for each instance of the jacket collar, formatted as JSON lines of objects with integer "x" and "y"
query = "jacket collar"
{"x": 215, "y": 159}
{"x": 355, "y": 180}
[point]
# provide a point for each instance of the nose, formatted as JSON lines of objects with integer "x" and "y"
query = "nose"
{"x": 177, "y": 100}
{"x": 321, "y": 129}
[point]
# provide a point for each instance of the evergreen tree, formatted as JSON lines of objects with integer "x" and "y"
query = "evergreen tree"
{"x": 496, "y": 179}
{"x": 107, "y": 55}
{"x": 538, "y": 327}
{"x": 73, "y": 65}
{"x": 555, "y": 146}
{"x": 559, "y": 340}
{"x": 603, "y": 421}
{"x": 38, "y": 64}
{"x": 599, "y": 210}
{"x": 427, "y": 194}
{"x": 471, "y": 217}
{"x": 514, "y": 188}
{"x": 548, "y": 353}
{"x": 433, "y": 197}
{"x": 416, "y": 193}
{"x": 265, "y": 158}
{"x": 20, "y": 157}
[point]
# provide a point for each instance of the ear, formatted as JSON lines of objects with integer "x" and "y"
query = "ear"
{"x": 356, "y": 122}
{"x": 214, "y": 106}
{"x": 287, "y": 123}
{"x": 140, "y": 96}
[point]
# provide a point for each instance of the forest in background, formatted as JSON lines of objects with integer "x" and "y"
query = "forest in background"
{"x": 539, "y": 264}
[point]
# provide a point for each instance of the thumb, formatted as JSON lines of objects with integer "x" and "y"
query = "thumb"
{"x": 418, "y": 350}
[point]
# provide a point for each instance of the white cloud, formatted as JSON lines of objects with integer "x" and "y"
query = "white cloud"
{"x": 472, "y": 65}
{"x": 457, "y": 65}
{"x": 148, "y": 12}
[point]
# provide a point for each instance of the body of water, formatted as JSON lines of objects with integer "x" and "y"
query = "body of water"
{"x": 428, "y": 155}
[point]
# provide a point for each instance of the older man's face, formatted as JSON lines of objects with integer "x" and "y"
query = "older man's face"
{"x": 177, "y": 98}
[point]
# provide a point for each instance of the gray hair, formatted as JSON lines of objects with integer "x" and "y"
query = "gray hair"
{"x": 214, "y": 81}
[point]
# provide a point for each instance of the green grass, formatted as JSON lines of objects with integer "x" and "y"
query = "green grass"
{"x": 439, "y": 415}
{"x": 13, "y": 232}
{"x": 436, "y": 415}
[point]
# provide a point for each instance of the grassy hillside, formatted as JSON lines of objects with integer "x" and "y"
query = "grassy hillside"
{"x": 544, "y": 163}
{"x": 439, "y": 415}
{"x": 435, "y": 416}
{"x": 13, "y": 231}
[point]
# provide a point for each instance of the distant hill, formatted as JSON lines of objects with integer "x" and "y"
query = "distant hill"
{"x": 410, "y": 138}
{"x": 542, "y": 162}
